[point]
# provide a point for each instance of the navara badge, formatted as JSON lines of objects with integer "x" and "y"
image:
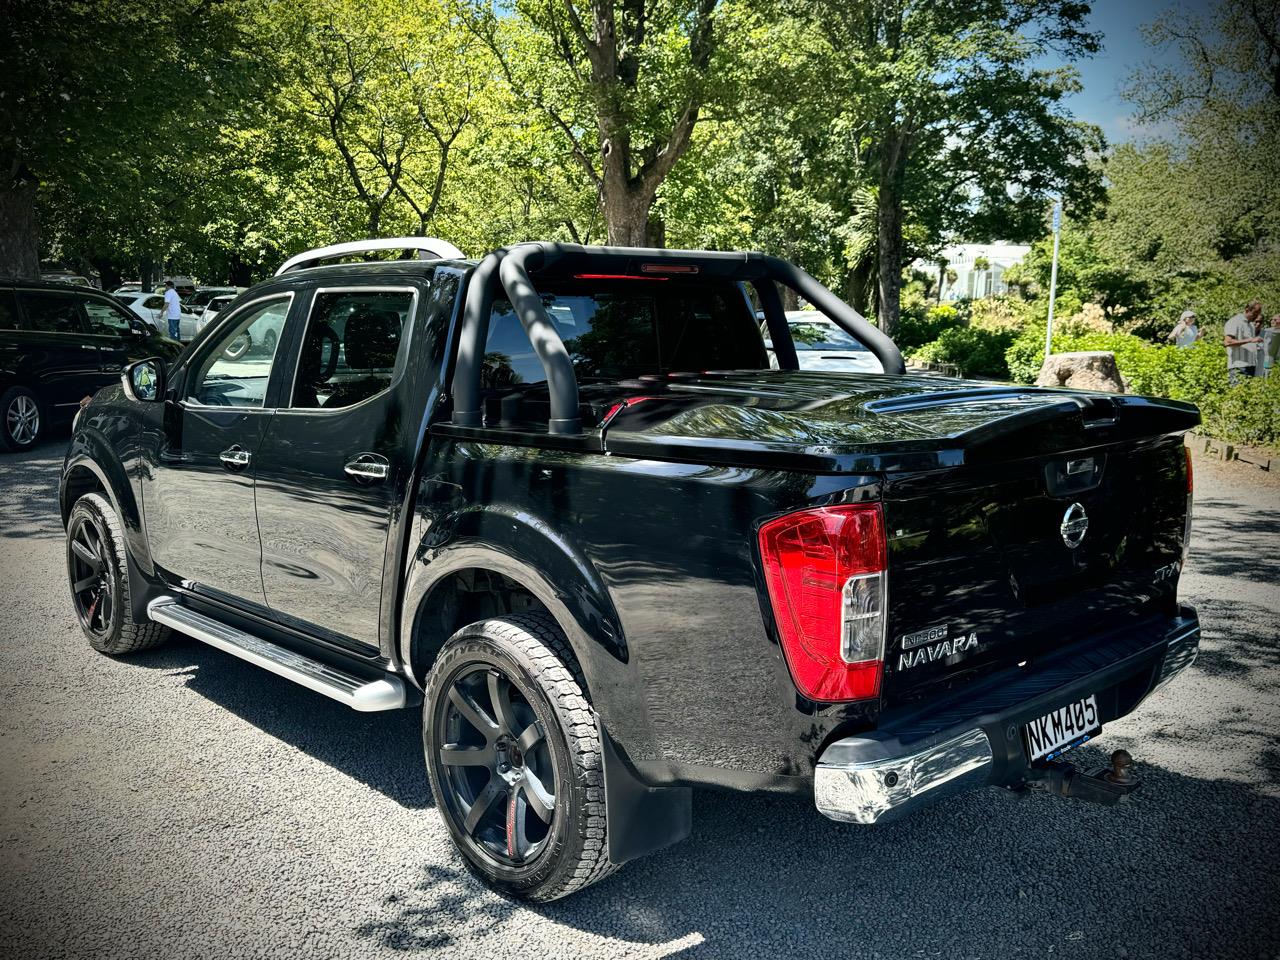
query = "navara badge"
{"x": 1075, "y": 524}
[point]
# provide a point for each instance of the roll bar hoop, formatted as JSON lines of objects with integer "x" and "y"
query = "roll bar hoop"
{"x": 510, "y": 267}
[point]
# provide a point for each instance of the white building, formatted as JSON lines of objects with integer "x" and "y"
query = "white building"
{"x": 970, "y": 282}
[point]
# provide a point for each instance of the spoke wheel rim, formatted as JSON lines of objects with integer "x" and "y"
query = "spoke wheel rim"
{"x": 496, "y": 766}
{"x": 23, "y": 419}
{"x": 92, "y": 583}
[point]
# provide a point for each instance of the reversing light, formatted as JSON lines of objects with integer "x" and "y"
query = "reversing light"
{"x": 825, "y": 570}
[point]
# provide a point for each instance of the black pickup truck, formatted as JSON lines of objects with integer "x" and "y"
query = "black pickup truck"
{"x": 561, "y": 497}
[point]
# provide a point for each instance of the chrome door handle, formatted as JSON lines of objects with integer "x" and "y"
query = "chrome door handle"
{"x": 235, "y": 457}
{"x": 368, "y": 468}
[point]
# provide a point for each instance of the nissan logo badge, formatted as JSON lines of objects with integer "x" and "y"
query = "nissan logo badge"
{"x": 1075, "y": 524}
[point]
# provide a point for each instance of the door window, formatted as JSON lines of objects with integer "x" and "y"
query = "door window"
{"x": 352, "y": 347}
{"x": 106, "y": 318}
{"x": 8, "y": 311}
{"x": 235, "y": 370}
{"x": 52, "y": 311}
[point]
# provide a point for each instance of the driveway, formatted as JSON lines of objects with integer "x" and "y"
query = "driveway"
{"x": 183, "y": 803}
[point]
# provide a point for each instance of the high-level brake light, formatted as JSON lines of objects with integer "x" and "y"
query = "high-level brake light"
{"x": 825, "y": 569}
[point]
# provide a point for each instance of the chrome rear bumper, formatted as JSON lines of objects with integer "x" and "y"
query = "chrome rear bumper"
{"x": 872, "y": 791}
{"x": 875, "y": 779}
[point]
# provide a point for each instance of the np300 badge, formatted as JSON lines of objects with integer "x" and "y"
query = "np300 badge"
{"x": 1075, "y": 524}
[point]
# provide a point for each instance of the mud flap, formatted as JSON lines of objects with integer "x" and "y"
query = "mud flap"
{"x": 640, "y": 819}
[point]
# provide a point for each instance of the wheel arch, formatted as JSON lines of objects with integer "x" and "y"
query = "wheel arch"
{"x": 554, "y": 575}
{"x": 93, "y": 466}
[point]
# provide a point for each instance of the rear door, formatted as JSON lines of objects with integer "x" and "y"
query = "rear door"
{"x": 60, "y": 359}
{"x": 199, "y": 502}
{"x": 333, "y": 460}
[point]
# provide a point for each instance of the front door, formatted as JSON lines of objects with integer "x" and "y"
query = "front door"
{"x": 328, "y": 467}
{"x": 199, "y": 502}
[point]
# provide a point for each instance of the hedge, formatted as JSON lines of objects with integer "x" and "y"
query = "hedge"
{"x": 1248, "y": 413}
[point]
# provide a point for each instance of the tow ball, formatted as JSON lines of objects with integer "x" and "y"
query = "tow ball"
{"x": 1105, "y": 785}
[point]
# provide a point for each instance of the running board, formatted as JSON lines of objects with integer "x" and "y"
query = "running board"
{"x": 385, "y": 693}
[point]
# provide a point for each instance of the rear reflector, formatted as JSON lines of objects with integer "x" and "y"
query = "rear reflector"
{"x": 825, "y": 572}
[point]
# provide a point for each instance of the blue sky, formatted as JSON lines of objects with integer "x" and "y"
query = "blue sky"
{"x": 1124, "y": 49}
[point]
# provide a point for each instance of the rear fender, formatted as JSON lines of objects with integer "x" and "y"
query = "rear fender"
{"x": 641, "y": 818}
{"x": 521, "y": 547}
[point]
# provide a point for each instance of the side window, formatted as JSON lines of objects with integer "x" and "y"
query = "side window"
{"x": 154, "y": 303}
{"x": 106, "y": 318}
{"x": 352, "y": 347}
{"x": 51, "y": 311}
{"x": 236, "y": 369}
{"x": 8, "y": 311}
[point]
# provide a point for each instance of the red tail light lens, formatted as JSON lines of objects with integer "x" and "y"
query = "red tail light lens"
{"x": 1191, "y": 479}
{"x": 825, "y": 571}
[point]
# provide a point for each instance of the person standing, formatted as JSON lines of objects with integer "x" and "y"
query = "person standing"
{"x": 172, "y": 308}
{"x": 1270, "y": 346}
{"x": 1185, "y": 332}
{"x": 1242, "y": 342}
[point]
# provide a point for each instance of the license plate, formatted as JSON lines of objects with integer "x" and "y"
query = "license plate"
{"x": 1052, "y": 735}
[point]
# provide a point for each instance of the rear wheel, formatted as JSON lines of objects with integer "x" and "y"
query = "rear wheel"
{"x": 20, "y": 420}
{"x": 513, "y": 753}
{"x": 98, "y": 574}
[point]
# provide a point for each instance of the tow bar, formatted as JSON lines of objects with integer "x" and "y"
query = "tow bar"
{"x": 1103, "y": 785}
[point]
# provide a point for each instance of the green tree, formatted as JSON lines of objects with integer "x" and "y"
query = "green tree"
{"x": 959, "y": 130}
{"x": 99, "y": 99}
{"x": 623, "y": 81}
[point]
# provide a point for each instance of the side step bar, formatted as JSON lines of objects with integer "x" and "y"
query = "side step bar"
{"x": 385, "y": 693}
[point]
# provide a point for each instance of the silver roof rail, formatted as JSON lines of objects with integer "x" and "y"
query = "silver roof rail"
{"x": 432, "y": 248}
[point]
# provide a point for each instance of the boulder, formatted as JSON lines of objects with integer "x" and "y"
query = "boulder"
{"x": 1087, "y": 370}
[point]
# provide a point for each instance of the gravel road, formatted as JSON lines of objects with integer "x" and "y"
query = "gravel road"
{"x": 185, "y": 804}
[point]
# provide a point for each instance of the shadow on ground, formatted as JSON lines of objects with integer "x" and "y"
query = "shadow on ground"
{"x": 985, "y": 875}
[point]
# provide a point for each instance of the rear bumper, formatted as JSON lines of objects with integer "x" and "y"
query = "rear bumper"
{"x": 917, "y": 758}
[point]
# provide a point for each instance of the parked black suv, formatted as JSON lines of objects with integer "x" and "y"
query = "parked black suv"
{"x": 560, "y": 496}
{"x": 60, "y": 343}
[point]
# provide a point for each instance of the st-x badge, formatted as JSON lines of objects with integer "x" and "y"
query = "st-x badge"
{"x": 1075, "y": 524}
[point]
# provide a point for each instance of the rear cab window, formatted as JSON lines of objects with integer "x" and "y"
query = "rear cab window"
{"x": 622, "y": 329}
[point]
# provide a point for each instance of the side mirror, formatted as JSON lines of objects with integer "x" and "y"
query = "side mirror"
{"x": 144, "y": 380}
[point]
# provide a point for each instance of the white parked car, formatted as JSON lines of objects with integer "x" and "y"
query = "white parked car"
{"x": 199, "y": 300}
{"x": 213, "y": 308}
{"x": 821, "y": 345}
{"x": 150, "y": 307}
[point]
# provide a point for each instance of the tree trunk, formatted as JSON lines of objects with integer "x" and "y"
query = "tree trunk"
{"x": 626, "y": 214}
{"x": 19, "y": 230}
{"x": 889, "y": 249}
{"x": 790, "y": 299}
{"x": 858, "y": 287}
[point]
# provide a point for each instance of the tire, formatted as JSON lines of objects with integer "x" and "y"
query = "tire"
{"x": 21, "y": 419}
{"x": 102, "y": 607}
{"x": 269, "y": 340}
{"x": 543, "y": 686}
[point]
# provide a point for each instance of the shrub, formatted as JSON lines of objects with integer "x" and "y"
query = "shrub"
{"x": 978, "y": 353}
{"x": 999, "y": 313}
{"x": 922, "y": 326}
{"x": 1247, "y": 413}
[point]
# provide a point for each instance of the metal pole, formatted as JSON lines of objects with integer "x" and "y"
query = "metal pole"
{"x": 1053, "y": 278}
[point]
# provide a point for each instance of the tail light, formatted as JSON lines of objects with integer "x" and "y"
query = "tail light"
{"x": 1186, "y": 528}
{"x": 826, "y": 574}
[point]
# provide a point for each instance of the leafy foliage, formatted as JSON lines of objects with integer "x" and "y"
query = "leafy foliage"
{"x": 978, "y": 353}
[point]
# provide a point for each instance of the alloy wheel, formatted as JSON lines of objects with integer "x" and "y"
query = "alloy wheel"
{"x": 23, "y": 420}
{"x": 497, "y": 767}
{"x": 92, "y": 583}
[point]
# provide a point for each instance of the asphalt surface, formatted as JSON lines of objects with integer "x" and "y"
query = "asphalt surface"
{"x": 185, "y": 804}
